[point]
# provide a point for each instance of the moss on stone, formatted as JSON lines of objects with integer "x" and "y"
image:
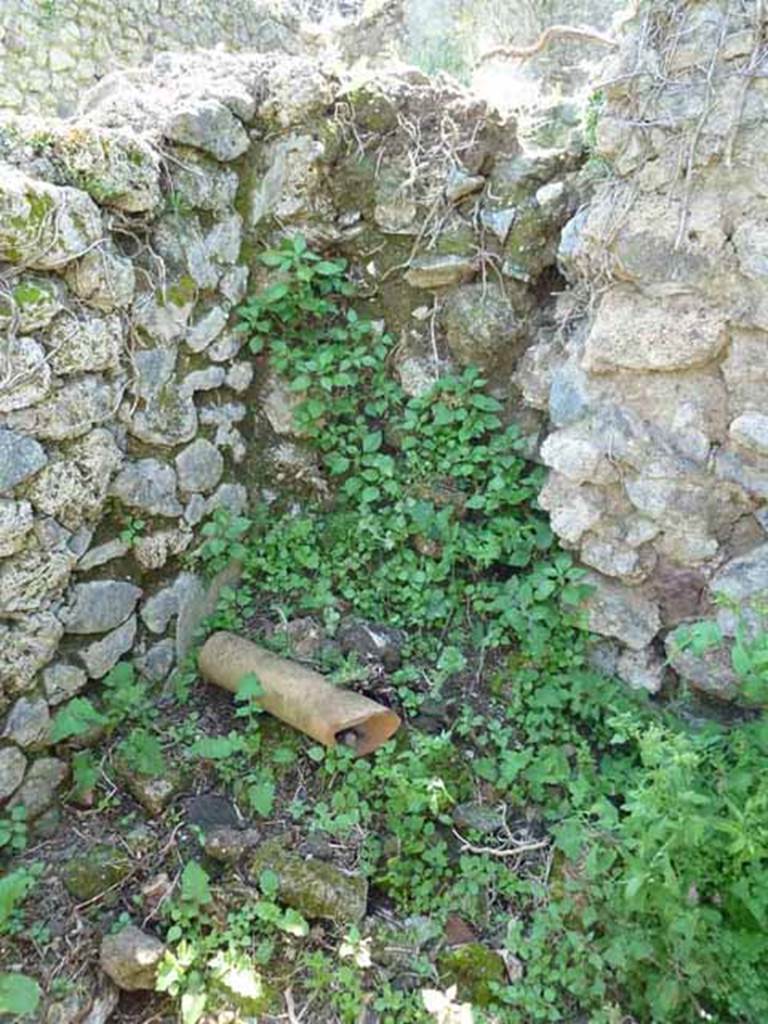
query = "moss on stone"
{"x": 472, "y": 968}
{"x": 313, "y": 887}
{"x": 94, "y": 871}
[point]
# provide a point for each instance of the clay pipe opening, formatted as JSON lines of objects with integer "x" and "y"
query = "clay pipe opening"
{"x": 298, "y": 695}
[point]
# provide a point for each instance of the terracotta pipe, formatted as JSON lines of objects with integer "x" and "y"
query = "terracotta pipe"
{"x": 297, "y": 695}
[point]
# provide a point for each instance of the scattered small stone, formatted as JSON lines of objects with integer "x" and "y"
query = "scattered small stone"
{"x": 229, "y": 844}
{"x": 478, "y": 817}
{"x": 379, "y": 643}
{"x": 154, "y": 793}
{"x": 130, "y": 958}
{"x": 91, "y": 873}
{"x": 439, "y": 271}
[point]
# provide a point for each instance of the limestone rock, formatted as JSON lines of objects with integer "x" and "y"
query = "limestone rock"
{"x": 205, "y": 330}
{"x": 33, "y": 579}
{"x": 117, "y": 168}
{"x": 202, "y": 184}
{"x": 89, "y": 343}
{"x": 226, "y": 346}
{"x": 199, "y": 467}
{"x": 234, "y": 284}
{"x": 102, "y": 554}
{"x": 439, "y": 271}
{"x": 100, "y": 657}
{"x": 38, "y": 790}
{"x": 710, "y": 672}
{"x": 20, "y": 458}
{"x": 33, "y": 301}
{"x": 203, "y": 380}
{"x": 25, "y": 647}
{"x": 158, "y": 610}
{"x": 153, "y": 550}
{"x": 158, "y": 661}
{"x": 642, "y": 670}
{"x": 164, "y": 318}
{"x": 279, "y": 403}
{"x": 168, "y": 418}
{"x": 634, "y": 333}
{"x": 207, "y": 125}
{"x": 62, "y": 681}
{"x": 74, "y": 485}
{"x": 28, "y": 723}
{"x": 71, "y": 410}
{"x": 239, "y": 377}
{"x": 13, "y": 764}
{"x": 99, "y": 606}
{"x": 750, "y": 431}
{"x": 26, "y": 375}
{"x": 315, "y": 888}
{"x": 42, "y": 226}
{"x": 149, "y": 486}
{"x": 131, "y": 958}
{"x": 15, "y": 523}
{"x": 103, "y": 279}
{"x": 481, "y": 327}
{"x": 625, "y": 613}
{"x": 578, "y": 455}
{"x": 154, "y": 368}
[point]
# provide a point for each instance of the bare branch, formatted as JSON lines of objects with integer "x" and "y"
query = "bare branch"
{"x": 552, "y": 32}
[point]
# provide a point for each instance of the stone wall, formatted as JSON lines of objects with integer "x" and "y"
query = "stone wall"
{"x": 657, "y": 384}
{"x": 129, "y": 409}
{"x": 51, "y": 50}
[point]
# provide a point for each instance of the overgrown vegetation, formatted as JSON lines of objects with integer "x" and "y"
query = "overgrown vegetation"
{"x": 608, "y": 862}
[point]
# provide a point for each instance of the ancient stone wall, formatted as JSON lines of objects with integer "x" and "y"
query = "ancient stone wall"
{"x": 657, "y": 384}
{"x": 51, "y": 50}
{"x": 129, "y": 409}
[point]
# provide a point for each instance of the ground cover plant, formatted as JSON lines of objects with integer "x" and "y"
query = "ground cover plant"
{"x": 538, "y": 844}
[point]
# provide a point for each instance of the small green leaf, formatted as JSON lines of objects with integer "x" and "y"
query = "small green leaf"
{"x": 194, "y": 884}
{"x": 76, "y": 718}
{"x": 269, "y": 882}
{"x": 19, "y": 994}
{"x": 261, "y": 796}
{"x": 372, "y": 441}
{"x": 192, "y": 1007}
{"x": 249, "y": 688}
